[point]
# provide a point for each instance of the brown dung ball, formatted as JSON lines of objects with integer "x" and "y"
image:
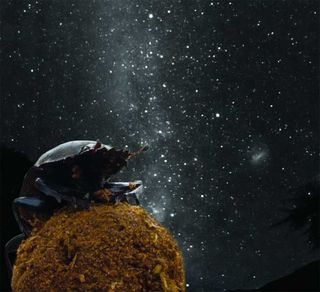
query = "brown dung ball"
{"x": 106, "y": 248}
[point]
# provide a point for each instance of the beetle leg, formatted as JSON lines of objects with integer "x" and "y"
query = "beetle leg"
{"x": 58, "y": 190}
{"x": 121, "y": 187}
{"x": 30, "y": 205}
{"x": 50, "y": 192}
{"x": 11, "y": 247}
{"x": 41, "y": 186}
{"x": 23, "y": 209}
{"x": 132, "y": 197}
{"x": 129, "y": 197}
{"x": 124, "y": 191}
{"x": 142, "y": 149}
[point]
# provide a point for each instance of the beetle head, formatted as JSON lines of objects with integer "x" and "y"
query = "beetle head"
{"x": 95, "y": 165}
{"x": 91, "y": 168}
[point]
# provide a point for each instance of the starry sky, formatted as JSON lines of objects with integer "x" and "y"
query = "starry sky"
{"x": 224, "y": 92}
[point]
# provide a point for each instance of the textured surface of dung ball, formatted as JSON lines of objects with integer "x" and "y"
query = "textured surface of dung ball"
{"x": 106, "y": 248}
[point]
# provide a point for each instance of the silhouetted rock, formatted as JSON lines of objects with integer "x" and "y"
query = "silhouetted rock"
{"x": 304, "y": 213}
{"x": 304, "y": 279}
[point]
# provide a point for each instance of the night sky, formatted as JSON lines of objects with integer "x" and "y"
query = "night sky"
{"x": 224, "y": 92}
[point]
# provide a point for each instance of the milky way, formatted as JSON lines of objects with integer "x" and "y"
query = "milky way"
{"x": 224, "y": 92}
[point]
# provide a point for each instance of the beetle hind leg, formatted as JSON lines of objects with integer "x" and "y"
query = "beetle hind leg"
{"x": 10, "y": 248}
{"x": 24, "y": 209}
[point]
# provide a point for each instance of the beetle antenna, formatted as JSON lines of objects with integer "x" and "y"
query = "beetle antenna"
{"x": 142, "y": 149}
{"x": 98, "y": 145}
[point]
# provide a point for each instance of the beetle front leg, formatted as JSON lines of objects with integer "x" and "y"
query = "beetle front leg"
{"x": 125, "y": 191}
{"x": 122, "y": 187}
{"x": 50, "y": 192}
{"x": 129, "y": 197}
{"x": 132, "y": 197}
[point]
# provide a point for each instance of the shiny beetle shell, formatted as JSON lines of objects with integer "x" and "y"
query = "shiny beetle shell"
{"x": 68, "y": 149}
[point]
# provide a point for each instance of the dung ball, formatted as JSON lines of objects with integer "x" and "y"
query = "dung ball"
{"x": 105, "y": 248}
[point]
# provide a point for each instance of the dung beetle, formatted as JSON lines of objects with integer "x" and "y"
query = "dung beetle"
{"x": 77, "y": 173}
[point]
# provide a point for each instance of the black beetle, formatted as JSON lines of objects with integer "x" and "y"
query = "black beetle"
{"x": 74, "y": 172}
